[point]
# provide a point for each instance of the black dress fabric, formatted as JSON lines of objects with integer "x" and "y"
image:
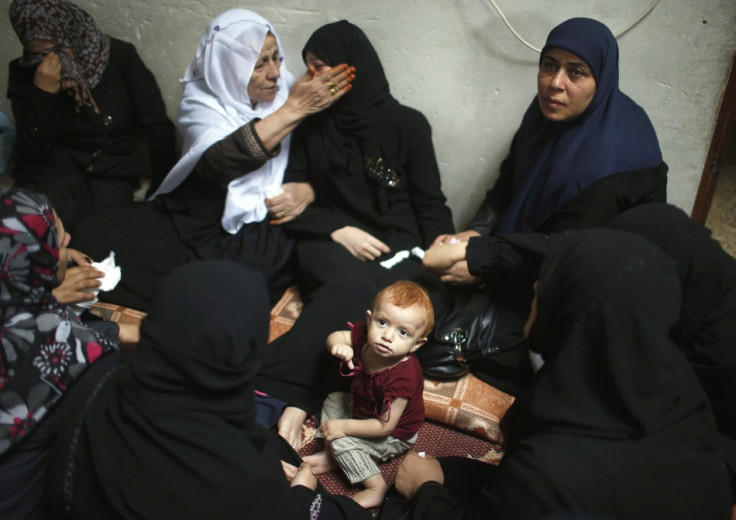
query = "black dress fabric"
{"x": 371, "y": 163}
{"x": 151, "y": 239}
{"x": 85, "y": 160}
{"x": 706, "y": 331}
{"x": 616, "y": 425}
{"x": 171, "y": 433}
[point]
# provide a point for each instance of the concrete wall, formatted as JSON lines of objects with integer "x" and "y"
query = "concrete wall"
{"x": 458, "y": 63}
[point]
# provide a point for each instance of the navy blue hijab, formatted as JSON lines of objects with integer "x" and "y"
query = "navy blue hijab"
{"x": 555, "y": 161}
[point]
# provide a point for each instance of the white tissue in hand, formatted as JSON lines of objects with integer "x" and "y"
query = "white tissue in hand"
{"x": 272, "y": 191}
{"x": 109, "y": 281}
{"x": 111, "y": 271}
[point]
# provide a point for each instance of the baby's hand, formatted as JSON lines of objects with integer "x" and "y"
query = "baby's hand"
{"x": 332, "y": 429}
{"x": 343, "y": 352}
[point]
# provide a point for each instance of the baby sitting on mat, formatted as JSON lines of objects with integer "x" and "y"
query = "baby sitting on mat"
{"x": 381, "y": 416}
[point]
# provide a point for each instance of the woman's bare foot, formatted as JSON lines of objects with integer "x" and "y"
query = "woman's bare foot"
{"x": 373, "y": 494}
{"x": 290, "y": 426}
{"x": 321, "y": 462}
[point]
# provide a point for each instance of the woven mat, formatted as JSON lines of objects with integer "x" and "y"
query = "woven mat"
{"x": 434, "y": 439}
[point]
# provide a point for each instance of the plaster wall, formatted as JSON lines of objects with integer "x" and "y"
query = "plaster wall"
{"x": 458, "y": 63}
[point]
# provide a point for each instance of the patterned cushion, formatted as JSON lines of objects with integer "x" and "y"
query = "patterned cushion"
{"x": 467, "y": 404}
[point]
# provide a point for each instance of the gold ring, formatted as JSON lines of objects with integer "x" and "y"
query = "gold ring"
{"x": 331, "y": 85}
{"x": 333, "y": 91}
{"x": 281, "y": 214}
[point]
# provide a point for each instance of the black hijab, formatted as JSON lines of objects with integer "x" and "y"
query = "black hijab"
{"x": 616, "y": 423}
{"x": 172, "y": 433}
{"x": 607, "y": 302}
{"x": 350, "y": 128}
{"x": 706, "y": 330}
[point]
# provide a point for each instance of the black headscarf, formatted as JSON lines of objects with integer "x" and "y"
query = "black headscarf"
{"x": 707, "y": 327}
{"x": 607, "y": 303}
{"x": 616, "y": 423}
{"x": 350, "y": 127}
{"x": 172, "y": 433}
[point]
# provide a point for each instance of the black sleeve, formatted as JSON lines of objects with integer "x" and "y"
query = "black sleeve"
{"x": 37, "y": 113}
{"x": 434, "y": 502}
{"x": 235, "y": 155}
{"x": 498, "y": 198}
{"x": 150, "y": 112}
{"x": 517, "y": 256}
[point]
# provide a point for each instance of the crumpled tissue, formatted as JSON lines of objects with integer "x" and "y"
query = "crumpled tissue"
{"x": 110, "y": 280}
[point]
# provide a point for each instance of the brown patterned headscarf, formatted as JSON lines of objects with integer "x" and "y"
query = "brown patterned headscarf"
{"x": 67, "y": 25}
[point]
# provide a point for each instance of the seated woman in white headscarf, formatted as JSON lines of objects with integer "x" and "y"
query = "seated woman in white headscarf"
{"x": 239, "y": 105}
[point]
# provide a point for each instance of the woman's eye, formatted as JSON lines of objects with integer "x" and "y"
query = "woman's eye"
{"x": 577, "y": 73}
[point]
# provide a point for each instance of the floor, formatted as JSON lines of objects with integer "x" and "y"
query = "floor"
{"x": 722, "y": 215}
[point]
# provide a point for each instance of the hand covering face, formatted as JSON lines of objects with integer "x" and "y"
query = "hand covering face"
{"x": 45, "y": 347}
{"x": 350, "y": 129}
{"x": 69, "y": 26}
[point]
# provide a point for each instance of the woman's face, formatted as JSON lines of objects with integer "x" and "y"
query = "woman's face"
{"x": 262, "y": 87}
{"x": 64, "y": 239}
{"x": 565, "y": 85}
{"x": 313, "y": 62}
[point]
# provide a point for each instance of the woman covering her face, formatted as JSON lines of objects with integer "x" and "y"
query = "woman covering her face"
{"x": 238, "y": 107}
{"x": 45, "y": 348}
{"x": 82, "y": 101}
{"x": 377, "y": 193}
{"x": 584, "y": 152}
{"x": 171, "y": 433}
{"x": 617, "y": 424}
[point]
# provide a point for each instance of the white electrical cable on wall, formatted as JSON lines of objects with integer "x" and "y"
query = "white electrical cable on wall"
{"x": 522, "y": 40}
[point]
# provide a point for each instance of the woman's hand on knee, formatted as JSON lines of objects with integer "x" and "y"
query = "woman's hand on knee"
{"x": 361, "y": 244}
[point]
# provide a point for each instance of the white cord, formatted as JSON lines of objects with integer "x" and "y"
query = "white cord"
{"x": 522, "y": 40}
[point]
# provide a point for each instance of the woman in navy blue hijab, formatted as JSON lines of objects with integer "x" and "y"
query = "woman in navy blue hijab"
{"x": 561, "y": 153}
{"x": 584, "y": 153}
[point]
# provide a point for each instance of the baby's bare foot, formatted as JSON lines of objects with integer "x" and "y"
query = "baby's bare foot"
{"x": 370, "y": 498}
{"x": 321, "y": 462}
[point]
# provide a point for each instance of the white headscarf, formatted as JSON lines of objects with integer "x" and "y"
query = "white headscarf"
{"x": 215, "y": 103}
